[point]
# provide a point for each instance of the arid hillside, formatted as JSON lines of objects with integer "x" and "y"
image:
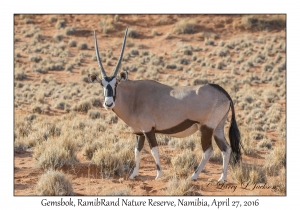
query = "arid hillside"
{"x": 66, "y": 143}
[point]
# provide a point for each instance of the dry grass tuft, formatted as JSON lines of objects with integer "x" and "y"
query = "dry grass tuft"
{"x": 186, "y": 26}
{"x": 184, "y": 163}
{"x": 54, "y": 183}
{"x": 108, "y": 162}
{"x": 55, "y": 153}
{"x": 179, "y": 187}
{"x": 243, "y": 173}
{"x": 275, "y": 160}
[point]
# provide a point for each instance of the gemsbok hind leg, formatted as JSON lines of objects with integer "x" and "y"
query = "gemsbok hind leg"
{"x": 140, "y": 140}
{"x": 150, "y": 136}
{"x": 220, "y": 139}
{"x": 206, "y": 142}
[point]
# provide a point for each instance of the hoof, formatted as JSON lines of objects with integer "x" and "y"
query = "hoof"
{"x": 132, "y": 176}
{"x": 222, "y": 180}
{"x": 158, "y": 176}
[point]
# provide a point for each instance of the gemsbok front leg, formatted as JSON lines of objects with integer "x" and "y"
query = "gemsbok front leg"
{"x": 206, "y": 142}
{"x": 140, "y": 140}
{"x": 154, "y": 150}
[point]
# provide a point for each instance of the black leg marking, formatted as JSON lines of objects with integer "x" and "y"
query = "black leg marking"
{"x": 178, "y": 128}
{"x": 157, "y": 167}
{"x": 206, "y": 137}
{"x": 151, "y": 138}
{"x": 140, "y": 140}
{"x": 221, "y": 144}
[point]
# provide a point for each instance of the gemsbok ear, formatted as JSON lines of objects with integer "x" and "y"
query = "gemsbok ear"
{"x": 93, "y": 78}
{"x": 124, "y": 75}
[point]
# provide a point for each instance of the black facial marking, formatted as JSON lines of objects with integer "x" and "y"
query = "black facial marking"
{"x": 140, "y": 140}
{"x": 108, "y": 79}
{"x": 206, "y": 137}
{"x": 151, "y": 138}
{"x": 108, "y": 91}
{"x": 178, "y": 128}
{"x": 157, "y": 167}
{"x": 221, "y": 144}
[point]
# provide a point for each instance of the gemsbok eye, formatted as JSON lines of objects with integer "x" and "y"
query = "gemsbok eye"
{"x": 149, "y": 107}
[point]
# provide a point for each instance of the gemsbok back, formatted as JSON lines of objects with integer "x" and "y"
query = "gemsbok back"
{"x": 149, "y": 107}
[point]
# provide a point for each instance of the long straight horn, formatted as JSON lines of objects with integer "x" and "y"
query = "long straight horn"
{"x": 121, "y": 55}
{"x": 103, "y": 74}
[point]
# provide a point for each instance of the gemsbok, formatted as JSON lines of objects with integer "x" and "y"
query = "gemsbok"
{"x": 149, "y": 107}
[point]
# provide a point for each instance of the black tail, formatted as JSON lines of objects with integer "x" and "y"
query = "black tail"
{"x": 234, "y": 137}
{"x": 234, "y": 133}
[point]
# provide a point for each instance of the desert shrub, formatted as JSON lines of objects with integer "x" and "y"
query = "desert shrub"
{"x": 168, "y": 36}
{"x": 94, "y": 114}
{"x": 200, "y": 81}
{"x": 90, "y": 148}
{"x": 36, "y": 108}
{"x": 132, "y": 33}
{"x": 56, "y": 153}
{"x": 70, "y": 30}
{"x": 184, "y": 163}
{"x": 270, "y": 96}
{"x": 178, "y": 187}
{"x": 154, "y": 32}
{"x": 38, "y": 37}
{"x": 107, "y": 25}
{"x": 82, "y": 106}
{"x": 62, "y": 105}
{"x": 19, "y": 74}
{"x": 96, "y": 101}
{"x": 209, "y": 42}
{"x": 134, "y": 52}
{"x": 220, "y": 65}
{"x": 35, "y": 58}
{"x": 275, "y": 160}
{"x": 54, "y": 183}
{"x": 60, "y": 24}
{"x": 82, "y": 46}
{"x": 187, "y": 143}
{"x": 72, "y": 43}
{"x": 108, "y": 162}
{"x": 58, "y": 37}
{"x": 221, "y": 52}
{"x": 185, "y": 26}
{"x": 243, "y": 173}
{"x": 52, "y": 19}
{"x": 265, "y": 144}
{"x": 274, "y": 113}
{"x": 171, "y": 66}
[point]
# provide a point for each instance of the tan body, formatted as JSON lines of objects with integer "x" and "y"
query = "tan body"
{"x": 146, "y": 104}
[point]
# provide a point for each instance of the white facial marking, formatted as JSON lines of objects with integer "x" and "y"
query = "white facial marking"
{"x": 109, "y": 101}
